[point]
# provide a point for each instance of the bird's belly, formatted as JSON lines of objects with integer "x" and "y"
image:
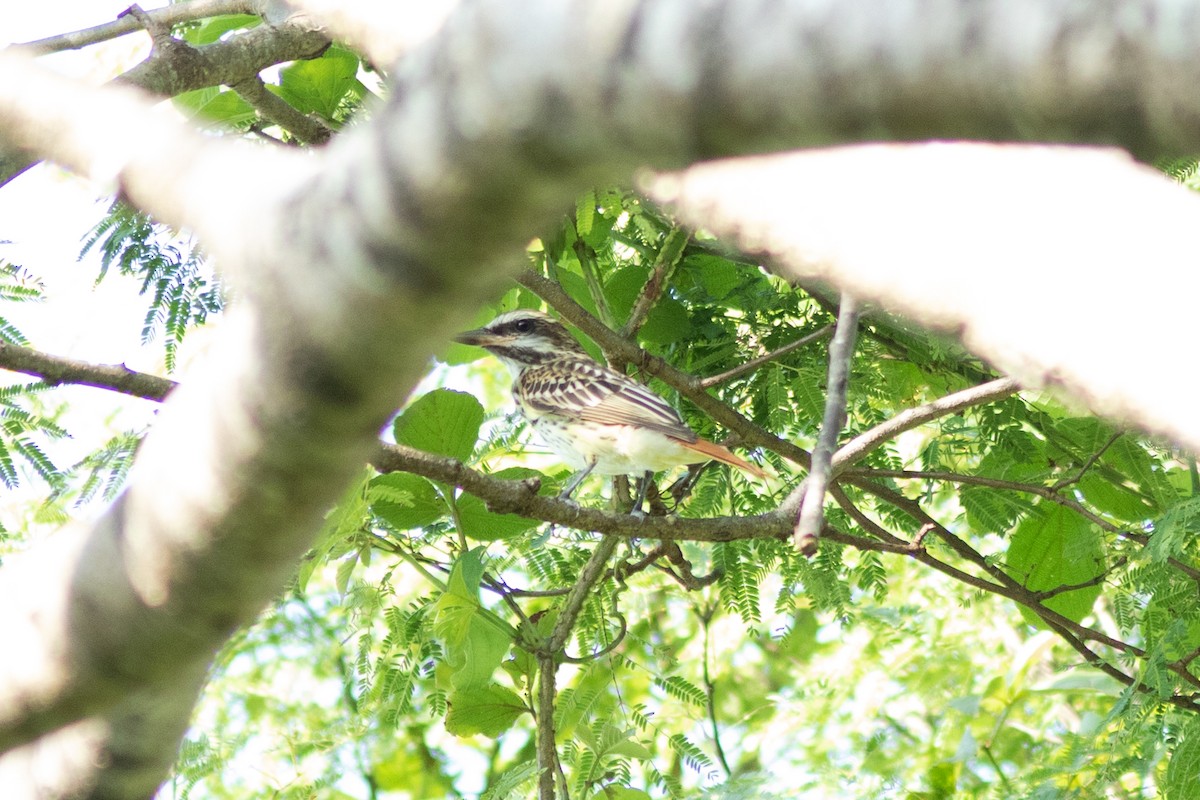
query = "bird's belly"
{"x": 615, "y": 449}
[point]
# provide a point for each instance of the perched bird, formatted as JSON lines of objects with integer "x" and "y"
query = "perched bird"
{"x": 597, "y": 419}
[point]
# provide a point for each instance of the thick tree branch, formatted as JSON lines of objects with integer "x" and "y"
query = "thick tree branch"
{"x": 547, "y": 752}
{"x": 306, "y": 128}
{"x": 549, "y": 652}
{"x": 355, "y": 265}
{"x": 174, "y": 70}
{"x": 1094, "y": 214}
{"x": 56, "y": 370}
{"x": 381, "y": 31}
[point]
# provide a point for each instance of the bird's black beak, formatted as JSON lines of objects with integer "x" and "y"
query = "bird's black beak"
{"x": 480, "y": 337}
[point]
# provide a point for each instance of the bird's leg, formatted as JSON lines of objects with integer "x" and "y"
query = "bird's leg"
{"x": 576, "y": 479}
{"x": 681, "y": 488}
{"x": 643, "y": 487}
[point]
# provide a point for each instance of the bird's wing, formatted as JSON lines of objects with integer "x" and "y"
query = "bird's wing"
{"x": 591, "y": 392}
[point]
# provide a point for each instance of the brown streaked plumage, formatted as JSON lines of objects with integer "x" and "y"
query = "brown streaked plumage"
{"x": 594, "y": 417}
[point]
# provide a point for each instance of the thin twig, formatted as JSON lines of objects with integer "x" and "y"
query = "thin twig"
{"x": 710, "y": 691}
{"x": 548, "y": 654}
{"x": 686, "y": 577}
{"x": 1025, "y": 488}
{"x": 660, "y": 276}
{"x": 858, "y": 447}
{"x": 755, "y": 363}
{"x": 591, "y": 276}
{"x": 841, "y": 353}
{"x": 1046, "y": 594}
{"x": 591, "y": 573}
{"x": 1092, "y": 459}
{"x": 125, "y": 24}
{"x": 160, "y": 32}
{"x": 890, "y": 543}
{"x": 1011, "y": 587}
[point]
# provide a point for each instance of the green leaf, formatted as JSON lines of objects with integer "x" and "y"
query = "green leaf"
{"x": 344, "y": 571}
{"x": 1081, "y": 679}
{"x": 443, "y": 422}
{"x": 666, "y": 323}
{"x": 318, "y": 85}
{"x": 1085, "y": 435}
{"x": 1175, "y": 530}
{"x": 681, "y": 689}
{"x": 624, "y": 793}
{"x": 490, "y": 710}
{"x": 585, "y": 212}
{"x": 1113, "y": 498}
{"x": 1057, "y": 548}
{"x": 718, "y": 276}
{"x": 574, "y": 285}
{"x": 216, "y": 106}
{"x": 990, "y": 510}
{"x": 1183, "y": 773}
{"x": 404, "y": 500}
{"x": 214, "y": 28}
{"x": 484, "y": 526}
{"x": 808, "y": 388}
{"x": 1133, "y": 460}
{"x": 622, "y": 288}
{"x": 475, "y": 639}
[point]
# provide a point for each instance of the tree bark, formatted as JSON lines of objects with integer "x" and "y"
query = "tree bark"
{"x": 355, "y": 264}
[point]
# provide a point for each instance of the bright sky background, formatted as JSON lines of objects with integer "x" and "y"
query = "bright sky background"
{"x": 43, "y": 216}
{"x": 45, "y": 212}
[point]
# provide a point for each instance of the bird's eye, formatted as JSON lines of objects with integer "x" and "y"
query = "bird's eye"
{"x": 523, "y": 325}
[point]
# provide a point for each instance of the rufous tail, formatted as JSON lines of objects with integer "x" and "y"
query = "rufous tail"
{"x": 718, "y": 453}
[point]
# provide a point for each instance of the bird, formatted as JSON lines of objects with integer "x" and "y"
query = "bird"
{"x": 597, "y": 419}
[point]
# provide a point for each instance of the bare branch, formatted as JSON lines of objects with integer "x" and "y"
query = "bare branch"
{"x": 56, "y": 370}
{"x": 858, "y": 447}
{"x": 521, "y": 497}
{"x": 127, "y": 23}
{"x": 841, "y": 354}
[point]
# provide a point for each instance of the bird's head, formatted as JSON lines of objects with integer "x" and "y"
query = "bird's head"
{"x": 523, "y": 338}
